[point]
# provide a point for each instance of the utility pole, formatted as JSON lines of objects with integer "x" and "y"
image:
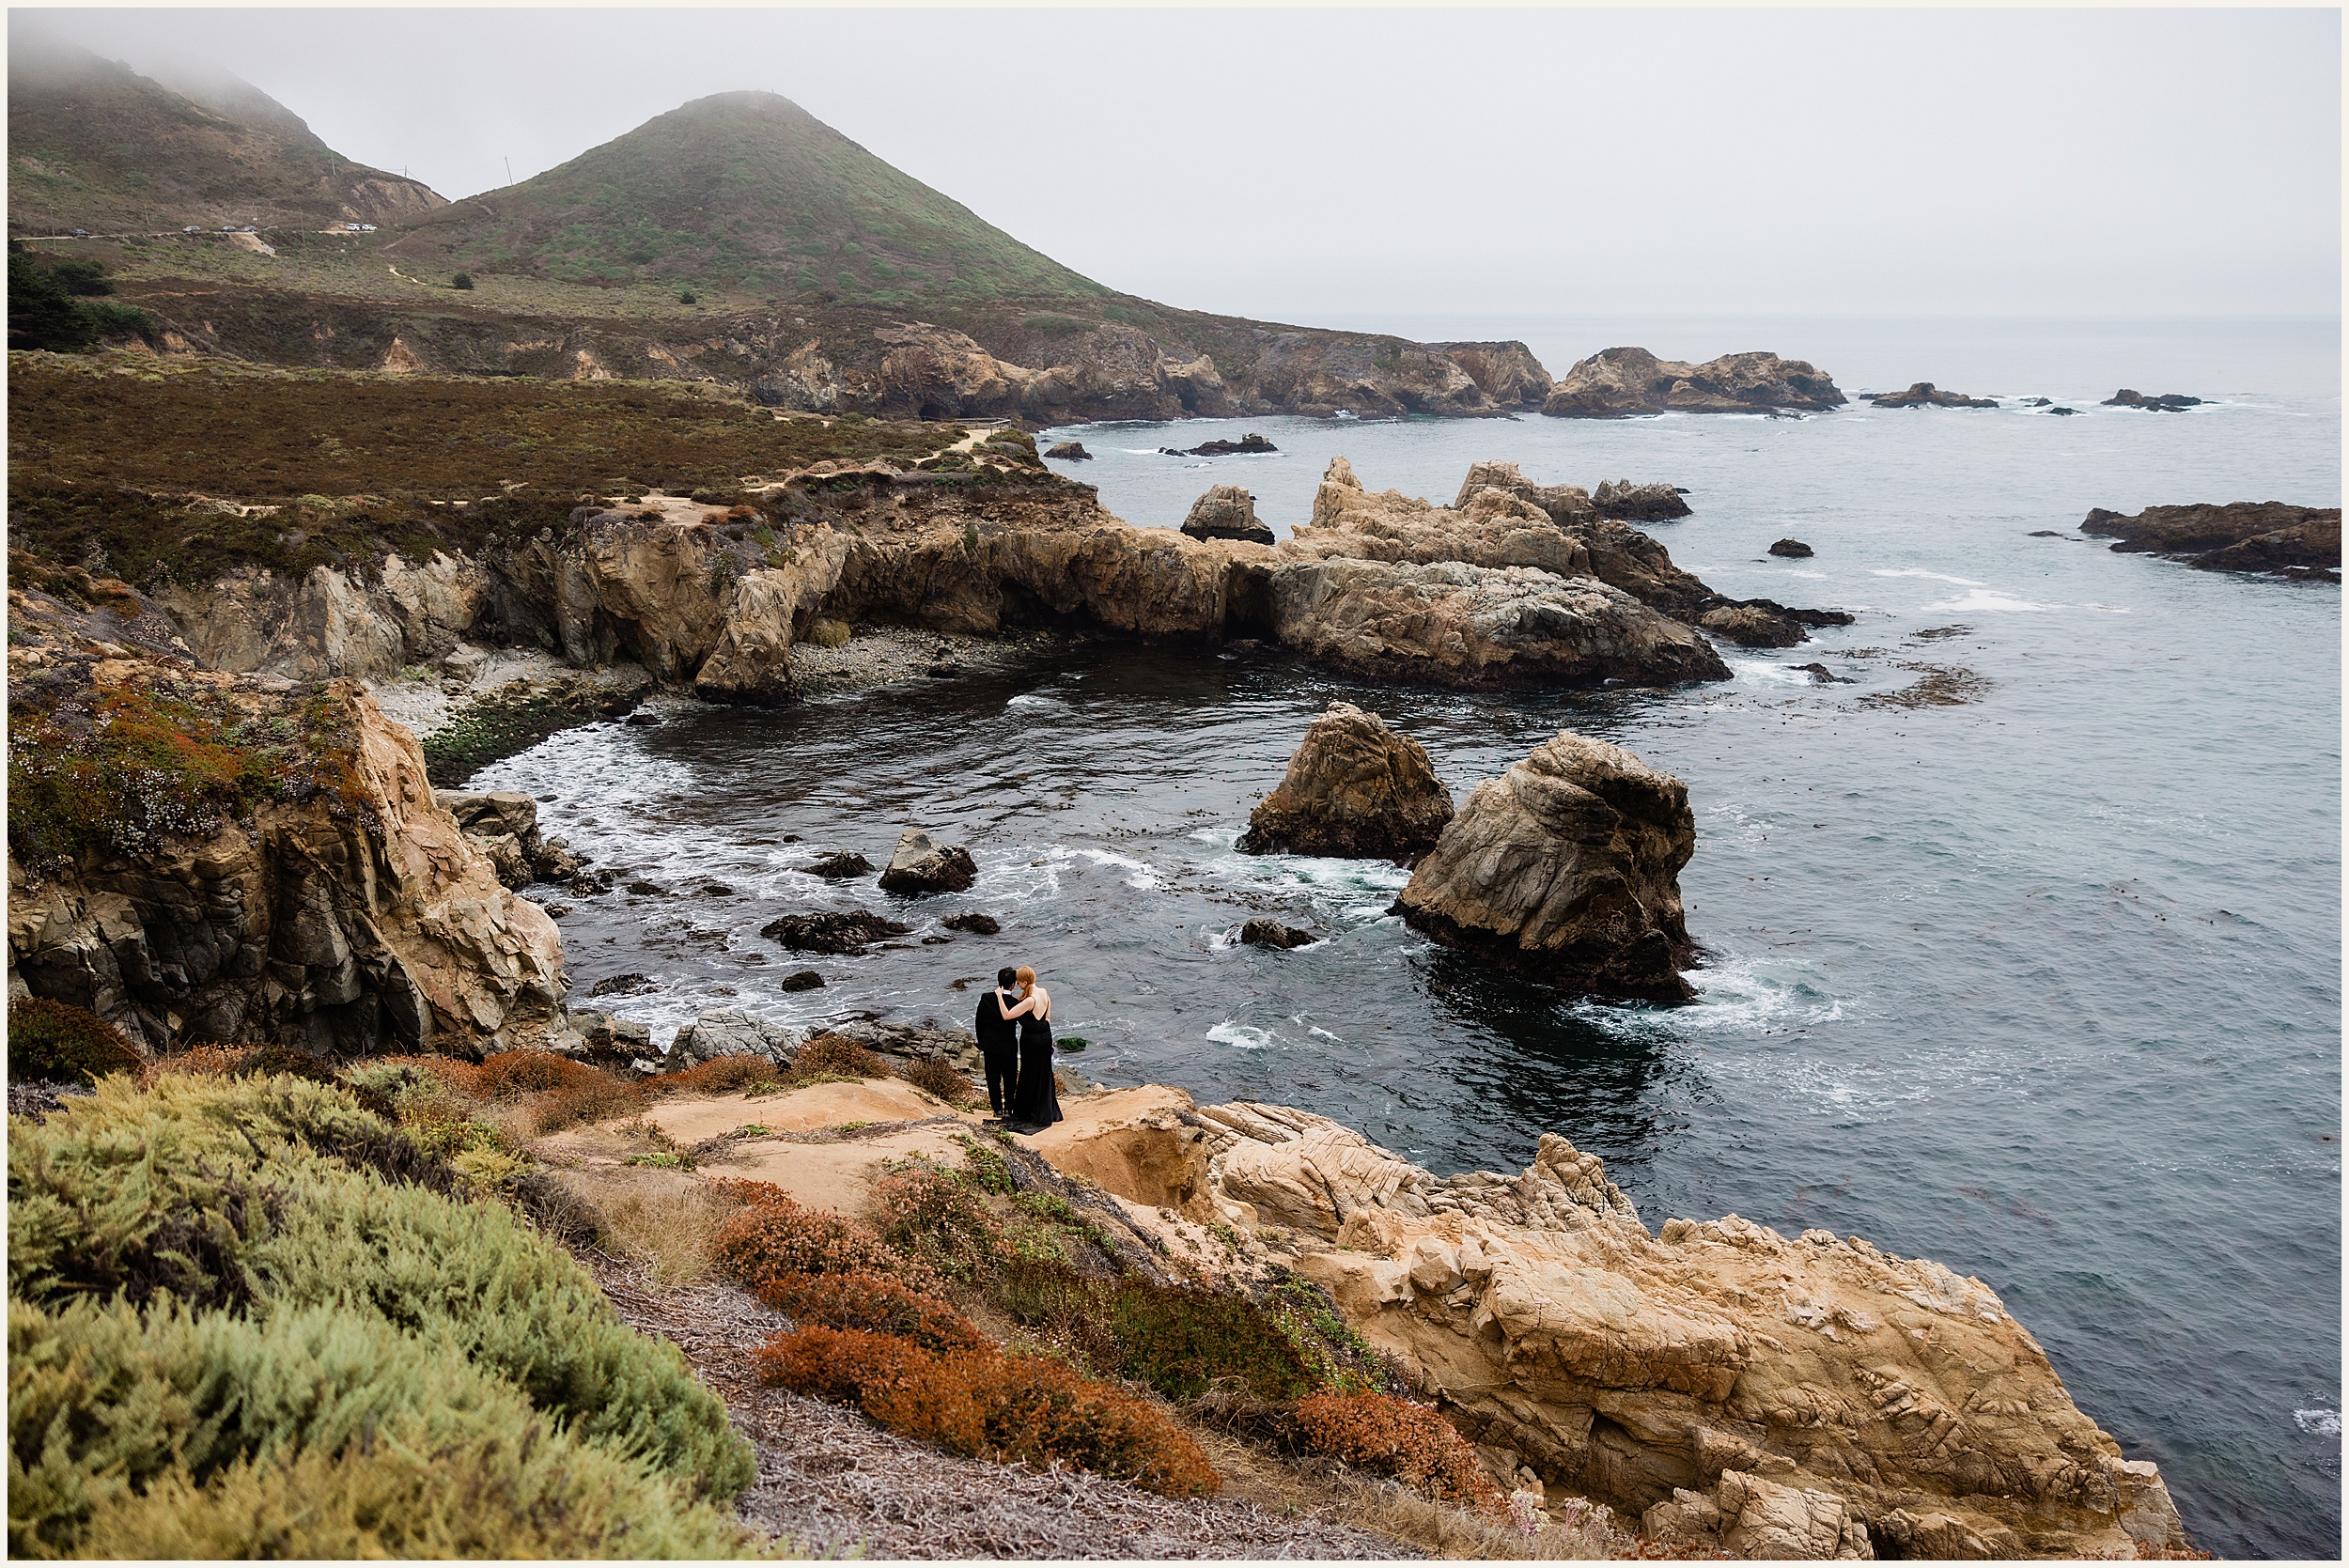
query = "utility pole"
{"x": 509, "y": 171}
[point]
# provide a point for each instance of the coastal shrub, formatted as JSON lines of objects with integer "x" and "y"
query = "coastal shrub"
{"x": 273, "y": 1194}
{"x": 875, "y": 1302}
{"x": 837, "y": 1053}
{"x": 773, "y": 1236}
{"x": 1178, "y": 1340}
{"x": 462, "y": 280}
{"x": 318, "y": 1432}
{"x": 982, "y": 1403}
{"x": 600, "y": 1096}
{"x": 55, "y": 1041}
{"x": 749, "y": 1073}
{"x": 937, "y": 1218}
{"x": 933, "y": 1076}
{"x": 1394, "y": 1437}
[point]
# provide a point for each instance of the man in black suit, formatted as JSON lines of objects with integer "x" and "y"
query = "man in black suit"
{"x": 999, "y": 1043}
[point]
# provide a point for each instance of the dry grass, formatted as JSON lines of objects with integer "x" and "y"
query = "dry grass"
{"x": 665, "y": 1222}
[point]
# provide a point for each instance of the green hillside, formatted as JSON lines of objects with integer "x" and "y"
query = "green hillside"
{"x": 745, "y": 191}
{"x": 94, "y": 144}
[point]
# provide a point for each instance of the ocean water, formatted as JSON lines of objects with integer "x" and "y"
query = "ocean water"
{"x": 2045, "y": 985}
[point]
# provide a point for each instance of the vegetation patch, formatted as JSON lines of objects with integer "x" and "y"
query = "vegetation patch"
{"x": 1386, "y": 1435}
{"x": 55, "y": 1041}
{"x": 122, "y": 768}
{"x": 498, "y": 726}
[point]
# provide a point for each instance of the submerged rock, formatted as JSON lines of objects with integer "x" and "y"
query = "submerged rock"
{"x": 1355, "y": 789}
{"x": 1227, "y": 512}
{"x": 1793, "y": 549}
{"x": 1924, "y": 395}
{"x": 923, "y": 866}
{"x": 1821, "y": 676}
{"x": 832, "y": 932}
{"x": 1751, "y": 627}
{"x": 1615, "y": 383}
{"x": 2168, "y": 402}
{"x": 1566, "y": 870}
{"x": 2243, "y": 535}
{"x": 1260, "y": 932}
{"x": 977, "y": 924}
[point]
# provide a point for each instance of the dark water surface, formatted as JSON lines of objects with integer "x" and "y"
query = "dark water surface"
{"x": 2046, "y": 985}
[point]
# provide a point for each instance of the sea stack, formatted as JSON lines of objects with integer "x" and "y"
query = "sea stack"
{"x": 1354, "y": 789}
{"x": 923, "y": 866}
{"x": 1227, "y": 512}
{"x": 1566, "y": 870}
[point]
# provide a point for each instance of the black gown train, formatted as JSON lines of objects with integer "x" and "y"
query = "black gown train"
{"x": 1038, "y": 1104}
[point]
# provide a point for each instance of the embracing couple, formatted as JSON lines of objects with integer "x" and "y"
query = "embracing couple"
{"x": 1014, "y": 1032}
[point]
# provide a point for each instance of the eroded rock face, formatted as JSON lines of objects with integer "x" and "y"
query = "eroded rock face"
{"x": 1227, "y": 512}
{"x": 922, "y": 865}
{"x": 1566, "y": 870}
{"x": 353, "y": 925}
{"x": 1751, "y": 627}
{"x": 2244, "y": 535}
{"x": 1615, "y": 383}
{"x": 1748, "y": 1392}
{"x": 503, "y": 825}
{"x": 1355, "y": 789}
{"x": 1622, "y": 499}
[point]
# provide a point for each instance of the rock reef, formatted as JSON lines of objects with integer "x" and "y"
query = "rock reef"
{"x": 1924, "y": 395}
{"x": 1354, "y": 789}
{"x": 2243, "y": 535}
{"x": 1746, "y": 1392}
{"x": 1566, "y": 870}
{"x": 2167, "y": 402}
{"x": 1619, "y": 383}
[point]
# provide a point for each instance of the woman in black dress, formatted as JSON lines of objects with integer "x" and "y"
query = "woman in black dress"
{"x": 1038, "y": 1105}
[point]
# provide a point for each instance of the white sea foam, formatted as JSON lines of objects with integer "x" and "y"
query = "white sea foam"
{"x": 1246, "y": 1036}
{"x": 1144, "y": 878}
{"x": 2319, "y": 1424}
{"x": 1989, "y": 600}
{"x": 1920, "y": 571}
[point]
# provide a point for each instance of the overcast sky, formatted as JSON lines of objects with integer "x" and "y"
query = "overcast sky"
{"x": 1326, "y": 164}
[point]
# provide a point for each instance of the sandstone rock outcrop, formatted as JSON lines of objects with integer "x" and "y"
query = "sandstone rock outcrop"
{"x": 1566, "y": 870}
{"x": 1924, "y": 395}
{"x": 2168, "y": 402}
{"x": 1748, "y": 1392}
{"x": 1618, "y": 384}
{"x": 920, "y": 865}
{"x": 1227, "y": 512}
{"x": 2243, "y": 535}
{"x": 1354, "y": 789}
{"x": 503, "y": 825}
{"x": 1630, "y": 503}
{"x": 1563, "y": 504}
{"x": 347, "y": 915}
{"x": 1751, "y": 627}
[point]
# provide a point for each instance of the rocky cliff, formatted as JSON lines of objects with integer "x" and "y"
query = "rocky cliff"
{"x": 1746, "y": 1392}
{"x": 1617, "y": 383}
{"x": 196, "y": 855}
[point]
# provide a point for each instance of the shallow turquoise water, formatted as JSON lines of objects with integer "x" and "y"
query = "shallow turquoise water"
{"x": 2046, "y": 987}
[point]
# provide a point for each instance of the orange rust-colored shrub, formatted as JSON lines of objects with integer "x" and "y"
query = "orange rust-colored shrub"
{"x": 511, "y": 1074}
{"x": 928, "y": 1214}
{"x": 837, "y": 1053}
{"x": 774, "y": 1238}
{"x": 874, "y": 1301}
{"x": 721, "y": 1075}
{"x": 600, "y": 1096}
{"x": 983, "y": 1402}
{"x": 935, "y": 1077}
{"x": 1395, "y": 1437}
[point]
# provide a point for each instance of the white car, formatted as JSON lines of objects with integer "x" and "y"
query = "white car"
{"x": 192, "y": 229}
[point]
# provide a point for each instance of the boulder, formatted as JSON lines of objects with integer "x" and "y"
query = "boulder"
{"x": 1617, "y": 383}
{"x": 1628, "y": 502}
{"x": 800, "y": 980}
{"x": 1793, "y": 549}
{"x": 1354, "y": 789}
{"x": 977, "y": 924}
{"x": 1260, "y": 932}
{"x": 1070, "y": 452}
{"x": 604, "y": 1041}
{"x": 923, "y": 866}
{"x": 1750, "y": 1393}
{"x": 2243, "y": 535}
{"x": 1566, "y": 870}
{"x": 1247, "y": 445}
{"x": 730, "y": 1032}
{"x": 1924, "y": 395}
{"x": 832, "y": 932}
{"x": 2168, "y": 402}
{"x": 1751, "y": 627}
{"x": 839, "y": 866}
{"x": 1227, "y": 512}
